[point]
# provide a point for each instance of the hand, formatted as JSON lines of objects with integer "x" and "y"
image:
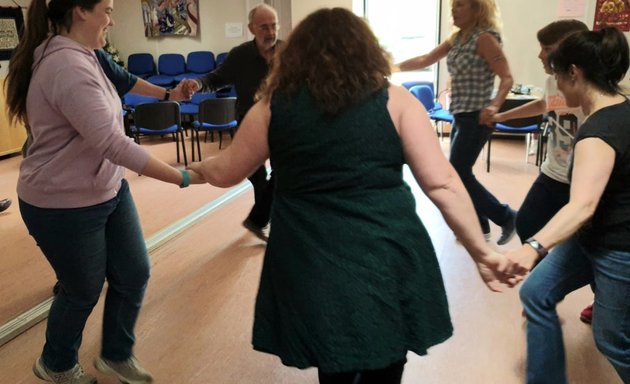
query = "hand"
{"x": 495, "y": 270}
{"x": 188, "y": 88}
{"x": 195, "y": 177}
{"x": 522, "y": 259}
{"x": 486, "y": 116}
{"x": 196, "y": 168}
{"x": 182, "y": 91}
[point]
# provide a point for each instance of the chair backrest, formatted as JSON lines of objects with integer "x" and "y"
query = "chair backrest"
{"x": 218, "y": 111}
{"x": 141, "y": 64}
{"x": 409, "y": 84}
{"x": 171, "y": 64}
{"x": 200, "y": 62}
{"x": 198, "y": 97}
{"x": 425, "y": 95}
{"x": 131, "y": 100}
{"x": 220, "y": 58}
{"x": 157, "y": 116}
{"x": 522, "y": 122}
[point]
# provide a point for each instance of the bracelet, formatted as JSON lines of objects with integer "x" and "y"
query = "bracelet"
{"x": 185, "y": 178}
{"x": 167, "y": 95}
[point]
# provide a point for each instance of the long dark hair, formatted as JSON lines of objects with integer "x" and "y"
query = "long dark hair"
{"x": 41, "y": 21}
{"x": 602, "y": 56}
{"x": 334, "y": 54}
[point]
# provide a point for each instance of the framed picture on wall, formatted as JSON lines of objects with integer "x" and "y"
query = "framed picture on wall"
{"x": 170, "y": 17}
{"x": 11, "y": 23}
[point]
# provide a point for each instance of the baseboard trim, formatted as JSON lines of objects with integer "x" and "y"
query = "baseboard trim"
{"x": 31, "y": 317}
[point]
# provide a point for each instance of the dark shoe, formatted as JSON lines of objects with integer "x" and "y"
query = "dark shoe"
{"x": 128, "y": 371}
{"x": 5, "y": 204}
{"x": 587, "y": 314}
{"x": 75, "y": 375}
{"x": 508, "y": 230}
{"x": 256, "y": 230}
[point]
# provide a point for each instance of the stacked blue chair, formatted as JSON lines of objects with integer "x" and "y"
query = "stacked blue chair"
{"x": 409, "y": 84}
{"x": 221, "y": 58}
{"x": 198, "y": 64}
{"x": 169, "y": 66}
{"x": 141, "y": 65}
{"x": 436, "y": 113}
{"x": 129, "y": 102}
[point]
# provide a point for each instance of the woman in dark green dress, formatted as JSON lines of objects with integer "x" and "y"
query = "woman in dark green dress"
{"x": 350, "y": 281}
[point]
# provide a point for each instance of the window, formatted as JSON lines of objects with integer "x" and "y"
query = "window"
{"x": 405, "y": 28}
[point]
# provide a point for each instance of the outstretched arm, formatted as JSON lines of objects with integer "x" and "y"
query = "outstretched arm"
{"x": 231, "y": 166}
{"x": 424, "y": 61}
{"x": 439, "y": 180}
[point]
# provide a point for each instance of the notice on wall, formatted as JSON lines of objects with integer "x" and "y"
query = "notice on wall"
{"x": 233, "y": 29}
{"x": 613, "y": 13}
{"x": 572, "y": 8}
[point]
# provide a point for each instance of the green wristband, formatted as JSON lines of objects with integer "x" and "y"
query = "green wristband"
{"x": 185, "y": 178}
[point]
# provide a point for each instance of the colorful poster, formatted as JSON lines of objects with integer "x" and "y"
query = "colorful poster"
{"x": 615, "y": 13}
{"x": 170, "y": 17}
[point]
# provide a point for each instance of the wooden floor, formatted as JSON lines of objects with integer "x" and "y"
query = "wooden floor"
{"x": 195, "y": 326}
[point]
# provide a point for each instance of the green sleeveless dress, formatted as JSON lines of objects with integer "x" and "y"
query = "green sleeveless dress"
{"x": 350, "y": 279}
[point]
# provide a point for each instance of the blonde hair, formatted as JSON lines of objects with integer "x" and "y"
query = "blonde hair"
{"x": 488, "y": 16}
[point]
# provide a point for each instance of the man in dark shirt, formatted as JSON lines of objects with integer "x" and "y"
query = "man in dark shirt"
{"x": 245, "y": 67}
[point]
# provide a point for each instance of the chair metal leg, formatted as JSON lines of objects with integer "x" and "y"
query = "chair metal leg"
{"x": 184, "y": 147}
{"x": 488, "y": 156}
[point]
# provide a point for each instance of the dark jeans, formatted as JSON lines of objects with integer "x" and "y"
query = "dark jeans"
{"x": 467, "y": 141}
{"x": 85, "y": 246}
{"x": 388, "y": 375}
{"x": 263, "y": 197}
{"x": 544, "y": 199}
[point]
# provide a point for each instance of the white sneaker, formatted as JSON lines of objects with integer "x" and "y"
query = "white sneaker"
{"x": 74, "y": 375}
{"x": 128, "y": 371}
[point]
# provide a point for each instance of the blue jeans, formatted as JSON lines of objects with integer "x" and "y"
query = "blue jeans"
{"x": 85, "y": 246}
{"x": 467, "y": 141}
{"x": 570, "y": 266}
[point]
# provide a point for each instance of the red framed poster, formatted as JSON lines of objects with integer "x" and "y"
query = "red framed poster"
{"x": 613, "y": 13}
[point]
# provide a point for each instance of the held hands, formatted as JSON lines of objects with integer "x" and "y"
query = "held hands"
{"x": 497, "y": 270}
{"x": 522, "y": 259}
{"x": 486, "y": 116}
{"x": 182, "y": 91}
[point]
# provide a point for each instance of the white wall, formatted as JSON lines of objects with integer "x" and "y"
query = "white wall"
{"x": 301, "y": 8}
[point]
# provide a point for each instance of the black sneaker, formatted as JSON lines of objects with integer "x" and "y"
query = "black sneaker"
{"x": 256, "y": 230}
{"x": 508, "y": 230}
{"x": 5, "y": 204}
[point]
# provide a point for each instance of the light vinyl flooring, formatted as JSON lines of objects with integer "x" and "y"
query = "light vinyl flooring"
{"x": 195, "y": 326}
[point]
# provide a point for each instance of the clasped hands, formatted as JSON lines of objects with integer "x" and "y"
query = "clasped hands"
{"x": 184, "y": 90}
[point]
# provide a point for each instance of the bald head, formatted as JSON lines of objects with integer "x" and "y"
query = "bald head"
{"x": 263, "y": 24}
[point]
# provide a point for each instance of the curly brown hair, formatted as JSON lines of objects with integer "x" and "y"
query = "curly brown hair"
{"x": 335, "y": 55}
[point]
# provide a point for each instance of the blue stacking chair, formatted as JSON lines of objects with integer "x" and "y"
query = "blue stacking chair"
{"x": 198, "y": 64}
{"x": 191, "y": 108}
{"x": 409, "y": 84}
{"x": 525, "y": 126}
{"x": 220, "y": 58}
{"x": 141, "y": 64}
{"x": 215, "y": 115}
{"x": 436, "y": 113}
{"x": 169, "y": 66}
{"x": 159, "y": 118}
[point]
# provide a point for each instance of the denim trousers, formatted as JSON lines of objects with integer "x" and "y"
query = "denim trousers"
{"x": 85, "y": 246}
{"x": 570, "y": 266}
{"x": 467, "y": 140}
